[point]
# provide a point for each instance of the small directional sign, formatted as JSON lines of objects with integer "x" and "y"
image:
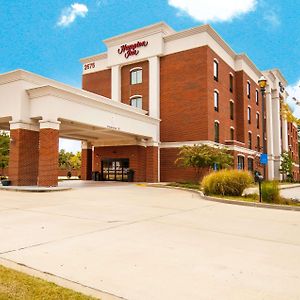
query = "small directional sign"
{"x": 264, "y": 159}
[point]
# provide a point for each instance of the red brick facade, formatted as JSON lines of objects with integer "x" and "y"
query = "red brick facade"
{"x": 24, "y": 156}
{"x": 48, "y": 157}
{"x": 143, "y": 160}
{"x": 294, "y": 148}
{"x": 86, "y": 164}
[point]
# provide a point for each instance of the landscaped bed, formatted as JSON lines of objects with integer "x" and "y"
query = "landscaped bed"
{"x": 246, "y": 198}
{"x": 15, "y": 285}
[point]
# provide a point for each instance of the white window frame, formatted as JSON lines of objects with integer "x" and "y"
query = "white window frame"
{"x": 216, "y": 103}
{"x": 248, "y": 88}
{"x": 134, "y": 98}
{"x": 256, "y": 96}
{"x": 216, "y": 69}
{"x": 136, "y": 76}
{"x": 249, "y": 114}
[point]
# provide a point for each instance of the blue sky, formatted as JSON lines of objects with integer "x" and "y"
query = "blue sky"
{"x": 49, "y": 37}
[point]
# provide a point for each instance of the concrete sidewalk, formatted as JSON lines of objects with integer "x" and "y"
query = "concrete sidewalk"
{"x": 143, "y": 243}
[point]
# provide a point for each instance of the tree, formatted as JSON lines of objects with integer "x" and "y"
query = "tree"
{"x": 203, "y": 156}
{"x": 286, "y": 166}
{"x": 4, "y": 151}
{"x": 69, "y": 160}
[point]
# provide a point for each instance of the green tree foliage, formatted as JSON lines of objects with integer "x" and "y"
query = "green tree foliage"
{"x": 204, "y": 156}
{"x": 4, "y": 150}
{"x": 69, "y": 160}
{"x": 286, "y": 166}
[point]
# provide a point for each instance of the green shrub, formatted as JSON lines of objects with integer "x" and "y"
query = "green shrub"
{"x": 270, "y": 192}
{"x": 226, "y": 182}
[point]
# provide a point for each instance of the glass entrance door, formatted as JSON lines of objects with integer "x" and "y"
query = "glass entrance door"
{"x": 115, "y": 169}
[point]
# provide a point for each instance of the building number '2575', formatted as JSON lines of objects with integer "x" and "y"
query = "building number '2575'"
{"x": 89, "y": 66}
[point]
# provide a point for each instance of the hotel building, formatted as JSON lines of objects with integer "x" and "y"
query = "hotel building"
{"x": 153, "y": 91}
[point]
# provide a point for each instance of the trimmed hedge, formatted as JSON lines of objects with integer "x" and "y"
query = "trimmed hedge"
{"x": 226, "y": 182}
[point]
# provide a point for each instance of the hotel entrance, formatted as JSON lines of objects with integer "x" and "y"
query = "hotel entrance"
{"x": 115, "y": 169}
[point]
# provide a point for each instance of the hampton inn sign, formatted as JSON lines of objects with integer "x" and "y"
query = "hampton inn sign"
{"x": 131, "y": 49}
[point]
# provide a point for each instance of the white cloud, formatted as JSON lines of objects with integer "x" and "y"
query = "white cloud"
{"x": 214, "y": 10}
{"x": 294, "y": 92}
{"x": 69, "y": 14}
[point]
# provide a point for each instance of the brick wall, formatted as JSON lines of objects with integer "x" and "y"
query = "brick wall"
{"x": 183, "y": 96}
{"x": 48, "y": 157}
{"x": 98, "y": 83}
{"x": 24, "y": 154}
{"x": 86, "y": 164}
{"x": 128, "y": 90}
{"x": 143, "y": 160}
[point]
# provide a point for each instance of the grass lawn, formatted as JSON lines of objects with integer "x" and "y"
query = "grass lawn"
{"x": 15, "y": 285}
{"x": 186, "y": 185}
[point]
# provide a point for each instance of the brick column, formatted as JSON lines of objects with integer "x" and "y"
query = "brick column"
{"x": 48, "y": 154}
{"x": 152, "y": 164}
{"x": 86, "y": 161}
{"x": 24, "y": 153}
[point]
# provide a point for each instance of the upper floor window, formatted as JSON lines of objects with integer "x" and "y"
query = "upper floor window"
{"x": 249, "y": 140}
{"x": 249, "y": 115}
{"x": 217, "y": 132}
{"x": 248, "y": 89}
{"x": 257, "y": 120}
{"x": 136, "y": 76}
{"x": 258, "y": 143}
{"x": 216, "y": 70}
{"x": 137, "y": 102}
{"x": 216, "y": 101}
{"x": 232, "y": 134}
{"x": 231, "y": 82}
{"x": 256, "y": 97}
{"x": 231, "y": 109}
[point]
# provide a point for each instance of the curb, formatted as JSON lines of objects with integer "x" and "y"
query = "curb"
{"x": 230, "y": 201}
{"x": 60, "y": 281}
{"x": 33, "y": 190}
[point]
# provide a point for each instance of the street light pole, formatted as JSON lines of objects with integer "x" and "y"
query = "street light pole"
{"x": 262, "y": 84}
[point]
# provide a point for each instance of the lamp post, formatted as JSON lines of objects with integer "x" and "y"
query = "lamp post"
{"x": 262, "y": 82}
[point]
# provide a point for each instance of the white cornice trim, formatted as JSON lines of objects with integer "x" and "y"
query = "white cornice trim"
{"x": 93, "y": 100}
{"x": 92, "y": 58}
{"x": 160, "y": 27}
{"x": 164, "y": 145}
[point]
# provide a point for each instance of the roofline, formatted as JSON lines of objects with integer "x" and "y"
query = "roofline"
{"x": 159, "y": 27}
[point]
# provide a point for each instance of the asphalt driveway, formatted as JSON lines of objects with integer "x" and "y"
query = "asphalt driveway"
{"x": 145, "y": 243}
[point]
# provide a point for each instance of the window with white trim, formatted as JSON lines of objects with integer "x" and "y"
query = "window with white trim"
{"x": 217, "y": 132}
{"x": 231, "y": 109}
{"x": 216, "y": 70}
{"x": 249, "y": 114}
{"x": 257, "y": 120}
{"x": 249, "y": 140}
{"x": 256, "y": 97}
{"x": 230, "y": 82}
{"x": 137, "y": 102}
{"x": 258, "y": 143}
{"x": 232, "y": 134}
{"x": 250, "y": 164}
{"x": 248, "y": 89}
{"x": 216, "y": 101}
{"x": 241, "y": 163}
{"x": 136, "y": 76}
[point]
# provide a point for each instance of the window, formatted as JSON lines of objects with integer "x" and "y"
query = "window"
{"x": 250, "y": 164}
{"x": 248, "y": 89}
{"x": 249, "y": 115}
{"x": 231, "y": 83}
{"x": 249, "y": 140}
{"x": 258, "y": 143}
{"x": 136, "y": 76}
{"x": 256, "y": 97}
{"x": 232, "y": 134}
{"x": 217, "y": 132}
{"x": 216, "y": 70}
{"x": 241, "y": 163}
{"x": 137, "y": 102}
{"x": 231, "y": 108}
{"x": 257, "y": 120}
{"x": 216, "y": 101}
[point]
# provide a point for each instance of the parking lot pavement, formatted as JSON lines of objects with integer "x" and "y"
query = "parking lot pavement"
{"x": 146, "y": 243}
